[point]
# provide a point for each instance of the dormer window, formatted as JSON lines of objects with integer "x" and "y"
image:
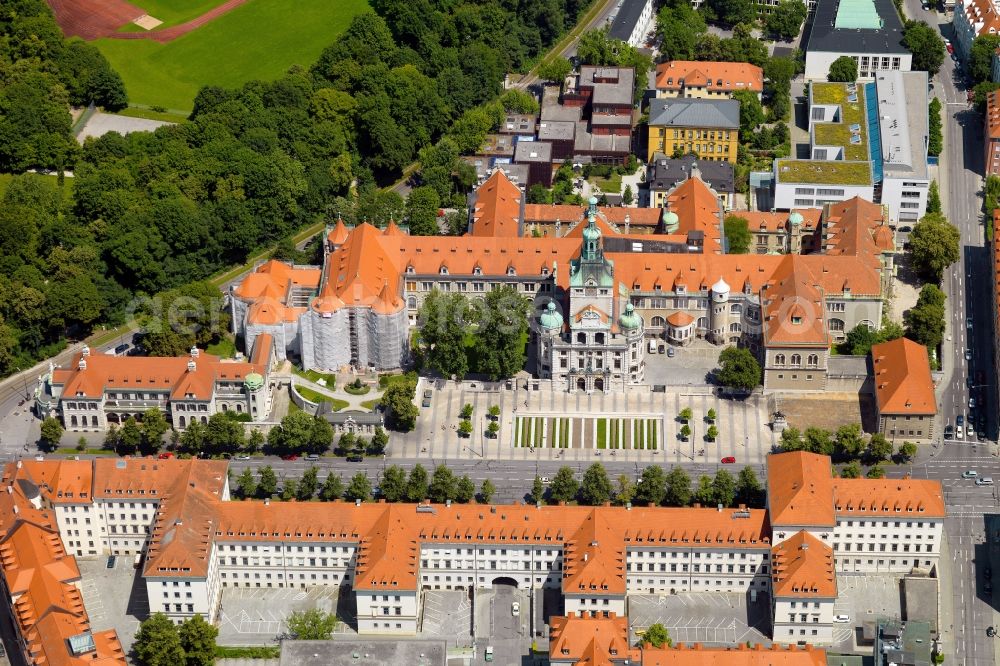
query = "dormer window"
{"x": 409, "y": 270}
{"x": 796, "y": 319}
{"x": 477, "y": 271}
{"x": 444, "y": 270}
{"x": 511, "y": 271}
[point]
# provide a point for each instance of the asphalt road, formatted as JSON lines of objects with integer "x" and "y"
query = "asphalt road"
{"x": 960, "y": 181}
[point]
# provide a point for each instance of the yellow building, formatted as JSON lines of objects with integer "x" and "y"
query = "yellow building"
{"x": 708, "y": 128}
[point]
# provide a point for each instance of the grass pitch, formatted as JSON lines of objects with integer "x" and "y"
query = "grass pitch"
{"x": 258, "y": 40}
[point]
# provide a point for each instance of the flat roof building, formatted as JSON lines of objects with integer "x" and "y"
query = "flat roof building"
{"x": 870, "y": 32}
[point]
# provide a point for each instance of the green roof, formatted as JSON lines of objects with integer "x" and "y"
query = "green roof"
{"x": 852, "y": 14}
{"x": 851, "y": 113}
{"x": 829, "y": 172}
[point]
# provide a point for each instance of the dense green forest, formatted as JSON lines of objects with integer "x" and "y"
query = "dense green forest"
{"x": 154, "y": 211}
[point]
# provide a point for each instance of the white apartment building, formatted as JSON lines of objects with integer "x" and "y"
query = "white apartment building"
{"x": 197, "y": 542}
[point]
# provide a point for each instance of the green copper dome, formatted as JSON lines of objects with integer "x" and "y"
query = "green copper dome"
{"x": 670, "y": 221}
{"x": 254, "y": 381}
{"x": 551, "y": 319}
{"x": 795, "y": 219}
{"x": 630, "y": 320}
{"x": 592, "y": 201}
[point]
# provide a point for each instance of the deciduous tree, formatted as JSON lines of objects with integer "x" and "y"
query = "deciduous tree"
{"x": 360, "y": 488}
{"x": 596, "y": 486}
{"x": 157, "y": 642}
{"x": 738, "y": 368}
{"x": 925, "y": 43}
{"x": 737, "y": 231}
{"x": 652, "y": 486}
{"x": 311, "y": 625}
{"x": 564, "y": 486}
{"x": 934, "y": 245}
{"x": 197, "y": 638}
{"x": 843, "y": 70}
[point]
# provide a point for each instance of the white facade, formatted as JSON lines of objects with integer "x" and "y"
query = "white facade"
{"x": 891, "y": 544}
{"x": 812, "y": 195}
{"x": 818, "y": 63}
{"x": 799, "y": 619}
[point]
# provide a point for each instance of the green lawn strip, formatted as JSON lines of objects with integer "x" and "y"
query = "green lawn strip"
{"x": 73, "y": 451}
{"x": 602, "y": 433}
{"x": 149, "y": 114}
{"x": 615, "y": 424}
{"x": 653, "y": 441}
{"x": 257, "y": 40}
{"x": 371, "y": 404}
{"x": 255, "y": 652}
{"x": 539, "y": 427}
{"x": 317, "y": 397}
{"x": 315, "y": 377}
{"x": 564, "y": 434}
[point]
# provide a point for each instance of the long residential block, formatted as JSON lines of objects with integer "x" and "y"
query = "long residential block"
{"x": 196, "y": 542}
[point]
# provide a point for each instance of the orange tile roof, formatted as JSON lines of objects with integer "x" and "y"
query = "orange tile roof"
{"x": 498, "y": 207}
{"x": 980, "y": 11}
{"x": 725, "y": 76}
{"x": 909, "y": 498}
{"x": 338, "y": 234}
{"x": 993, "y": 115}
{"x": 697, "y": 209}
{"x": 590, "y": 639}
{"x": 172, "y": 374}
{"x": 799, "y": 490}
{"x": 802, "y": 566}
{"x": 858, "y": 228}
{"x": 757, "y": 220}
{"x": 741, "y": 655}
{"x": 903, "y": 383}
{"x": 40, "y": 576}
{"x": 679, "y": 319}
{"x": 567, "y": 214}
{"x": 794, "y": 311}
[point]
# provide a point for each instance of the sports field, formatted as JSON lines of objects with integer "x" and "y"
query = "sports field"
{"x": 172, "y": 12}
{"x": 258, "y": 40}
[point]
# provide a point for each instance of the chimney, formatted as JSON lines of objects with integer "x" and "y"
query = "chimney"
{"x": 85, "y": 352}
{"x": 82, "y": 365}
{"x": 586, "y": 556}
{"x": 192, "y": 366}
{"x": 719, "y": 507}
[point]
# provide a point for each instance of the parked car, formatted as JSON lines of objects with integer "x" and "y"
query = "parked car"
{"x": 968, "y": 323}
{"x": 960, "y": 420}
{"x": 670, "y": 352}
{"x": 515, "y": 609}
{"x": 111, "y": 561}
{"x": 312, "y": 456}
{"x": 968, "y": 354}
{"x": 972, "y": 402}
{"x": 842, "y": 618}
{"x": 355, "y": 458}
{"x": 290, "y": 456}
{"x": 949, "y": 432}
{"x": 488, "y": 656}
{"x": 729, "y": 460}
{"x": 166, "y": 455}
{"x": 243, "y": 457}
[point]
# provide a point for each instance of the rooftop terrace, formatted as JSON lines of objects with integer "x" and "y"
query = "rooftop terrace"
{"x": 851, "y": 114}
{"x": 824, "y": 172}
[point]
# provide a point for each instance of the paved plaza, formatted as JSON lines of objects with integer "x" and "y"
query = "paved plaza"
{"x": 638, "y": 425}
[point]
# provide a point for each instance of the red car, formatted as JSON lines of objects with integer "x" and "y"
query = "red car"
{"x": 951, "y": 49}
{"x": 291, "y": 456}
{"x": 728, "y": 460}
{"x": 165, "y": 456}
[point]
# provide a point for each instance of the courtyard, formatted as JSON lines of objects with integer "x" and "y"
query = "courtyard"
{"x": 256, "y": 615}
{"x": 711, "y": 618}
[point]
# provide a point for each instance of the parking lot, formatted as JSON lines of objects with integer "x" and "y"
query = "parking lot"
{"x": 509, "y": 635}
{"x": 256, "y": 616}
{"x": 689, "y": 366}
{"x": 447, "y": 613}
{"x": 114, "y": 598}
{"x": 864, "y": 598}
{"x": 704, "y": 617}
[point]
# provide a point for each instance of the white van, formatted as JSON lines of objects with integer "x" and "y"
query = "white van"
{"x": 652, "y": 346}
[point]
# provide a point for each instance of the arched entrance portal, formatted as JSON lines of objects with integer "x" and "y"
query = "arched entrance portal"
{"x": 581, "y": 384}
{"x": 598, "y": 384}
{"x": 505, "y": 581}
